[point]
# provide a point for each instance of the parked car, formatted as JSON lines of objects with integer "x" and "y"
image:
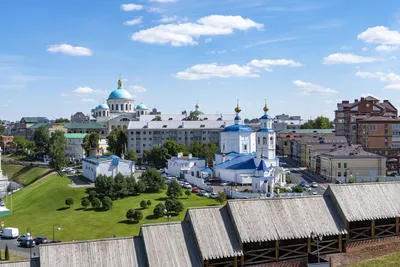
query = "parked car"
{"x": 206, "y": 194}
{"x": 41, "y": 240}
{"x": 314, "y": 193}
{"x": 302, "y": 183}
{"x": 196, "y": 190}
{"x": 201, "y": 192}
{"x": 21, "y": 238}
{"x": 314, "y": 184}
{"x": 223, "y": 184}
{"x": 338, "y": 182}
{"x": 27, "y": 243}
{"x": 213, "y": 195}
{"x": 187, "y": 186}
{"x": 10, "y": 232}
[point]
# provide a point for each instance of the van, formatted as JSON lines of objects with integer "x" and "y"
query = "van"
{"x": 10, "y": 232}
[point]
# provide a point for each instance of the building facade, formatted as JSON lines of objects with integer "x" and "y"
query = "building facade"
{"x": 79, "y": 117}
{"x": 180, "y": 165}
{"x": 284, "y": 121}
{"x": 74, "y": 149}
{"x": 94, "y": 166}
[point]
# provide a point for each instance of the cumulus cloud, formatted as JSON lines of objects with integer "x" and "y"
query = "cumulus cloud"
{"x": 309, "y": 88}
{"x": 392, "y": 79}
{"x": 70, "y": 50}
{"x": 208, "y": 40}
{"x": 134, "y": 21}
{"x": 183, "y": 34}
{"x": 380, "y": 35}
{"x": 138, "y": 89}
{"x": 267, "y": 63}
{"x": 347, "y": 58}
{"x": 131, "y": 7}
{"x": 155, "y": 10}
{"x": 166, "y": 19}
{"x": 386, "y": 48}
{"x": 87, "y": 90}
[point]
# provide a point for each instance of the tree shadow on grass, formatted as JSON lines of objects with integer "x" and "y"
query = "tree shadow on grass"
{"x": 128, "y": 222}
{"x": 162, "y": 198}
{"x": 151, "y": 217}
{"x": 100, "y": 210}
{"x": 140, "y": 208}
{"x": 90, "y": 209}
{"x": 80, "y": 209}
{"x": 63, "y": 208}
{"x": 216, "y": 204}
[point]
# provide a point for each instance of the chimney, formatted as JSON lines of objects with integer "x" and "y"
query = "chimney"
{"x": 362, "y": 98}
{"x": 355, "y": 100}
{"x": 385, "y": 101}
{"x": 345, "y": 101}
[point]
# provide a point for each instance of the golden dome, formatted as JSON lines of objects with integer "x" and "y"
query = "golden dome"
{"x": 262, "y": 155}
{"x": 238, "y": 109}
{"x": 265, "y": 106}
{"x": 197, "y": 106}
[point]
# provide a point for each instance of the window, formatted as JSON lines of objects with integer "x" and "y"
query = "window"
{"x": 126, "y": 106}
{"x": 122, "y": 107}
{"x": 144, "y": 145}
{"x": 264, "y": 140}
{"x": 345, "y": 165}
{"x": 245, "y": 147}
{"x": 339, "y": 165}
{"x": 116, "y": 106}
{"x": 372, "y": 127}
{"x": 339, "y": 174}
{"x": 258, "y": 140}
{"x": 112, "y": 107}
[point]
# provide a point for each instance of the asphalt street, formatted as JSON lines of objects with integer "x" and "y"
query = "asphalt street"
{"x": 14, "y": 247}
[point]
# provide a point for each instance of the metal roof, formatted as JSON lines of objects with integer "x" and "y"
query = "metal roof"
{"x": 20, "y": 263}
{"x": 171, "y": 244}
{"x": 85, "y": 125}
{"x": 367, "y": 201}
{"x": 214, "y": 232}
{"x": 75, "y": 135}
{"x": 285, "y": 218}
{"x": 238, "y": 163}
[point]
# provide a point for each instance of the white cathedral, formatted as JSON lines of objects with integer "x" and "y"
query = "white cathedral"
{"x": 248, "y": 157}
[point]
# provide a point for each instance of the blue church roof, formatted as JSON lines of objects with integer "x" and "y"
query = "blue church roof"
{"x": 262, "y": 166}
{"x": 245, "y": 165}
{"x": 141, "y": 106}
{"x": 266, "y": 117}
{"x": 268, "y": 130}
{"x": 103, "y": 106}
{"x": 208, "y": 170}
{"x": 237, "y": 118}
{"x": 238, "y": 163}
{"x": 238, "y": 128}
{"x": 120, "y": 94}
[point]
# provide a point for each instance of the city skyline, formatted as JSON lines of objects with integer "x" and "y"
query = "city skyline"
{"x": 304, "y": 57}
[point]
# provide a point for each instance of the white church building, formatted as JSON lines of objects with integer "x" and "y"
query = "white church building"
{"x": 249, "y": 157}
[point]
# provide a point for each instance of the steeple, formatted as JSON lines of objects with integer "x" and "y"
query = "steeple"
{"x": 197, "y": 106}
{"x": 120, "y": 82}
{"x": 237, "y": 110}
{"x": 265, "y": 107}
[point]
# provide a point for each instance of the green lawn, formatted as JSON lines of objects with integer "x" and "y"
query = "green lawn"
{"x": 392, "y": 260}
{"x": 12, "y": 256}
{"x": 41, "y": 205}
{"x": 24, "y": 175}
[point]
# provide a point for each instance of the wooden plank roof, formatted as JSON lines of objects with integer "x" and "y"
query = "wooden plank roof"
{"x": 367, "y": 201}
{"x": 284, "y": 218}
{"x": 121, "y": 252}
{"x": 214, "y": 232}
{"x": 171, "y": 244}
{"x": 20, "y": 263}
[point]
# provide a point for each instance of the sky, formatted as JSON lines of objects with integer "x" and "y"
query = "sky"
{"x": 303, "y": 56}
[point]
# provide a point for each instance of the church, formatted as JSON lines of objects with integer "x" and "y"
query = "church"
{"x": 249, "y": 157}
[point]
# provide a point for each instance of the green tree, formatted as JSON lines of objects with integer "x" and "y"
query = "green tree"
{"x": 188, "y": 193}
{"x": 117, "y": 141}
{"x": 138, "y": 216}
{"x": 298, "y": 189}
{"x": 158, "y": 156}
{"x": 221, "y": 197}
{"x": 157, "y": 118}
{"x": 148, "y": 203}
{"x": 69, "y": 202}
{"x": 195, "y": 149}
{"x": 92, "y": 195}
{"x": 131, "y": 185}
{"x": 85, "y": 203}
{"x": 173, "y": 147}
{"x": 153, "y": 180}
{"x": 140, "y": 187}
{"x": 322, "y": 123}
{"x": 174, "y": 189}
{"x": 174, "y": 206}
{"x": 7, "y": 253}
{"x": 208, "y": 152}
{"x": 352, "y": 181}
{"x": 120, "y": 185}
{"x": 24, "y": 144}
{"x": 130, "y": 214}
{"x": 41, "y": 137}
{"x": 95, "y": 203}
{"x": 91, "y": 142}
{"x": 58, "y": 143}
{"x": 159, "y": 210}
{"x": 106, "y": 185}
{"x": 143, "y": 204}
{"x": 131, "y": 155}
{"x": 107, "y": 203}
{"x": 62, "y": 120}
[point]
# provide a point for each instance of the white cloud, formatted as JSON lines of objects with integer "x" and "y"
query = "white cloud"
{"x": 267, "y": 63}
{"x": 309, "y": 88}
{"x": 64, "y": 95}
{"x": 217, "y": 52}
{"x": 380, "y": 35}
{"x": 343, "y": 58}
{"x": 155, "y": 10}
{"x": 138, "y": 89}
{"x": 166, "y": 19}
{"x": 87, "y": 90}
{"x": 131, "y": 7}
{"x": 207, "y": 71}
{"x": 70, "y": 50}
{"x": 392, "y": 79}
{"x": 208, "y": 40}
{"x": 90, "y": 100}
{"x": 134, "y": 21}
{"x": 332, "y": 101}
{"x": 163, "y": 1}
{"x": 386, "y": 48}
{"x": 182, "y": 34}
{"x": 364, "y": 49}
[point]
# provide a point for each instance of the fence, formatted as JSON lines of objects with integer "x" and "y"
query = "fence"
{"x": 237, "y": 194}
{"x": 198, "y": 182}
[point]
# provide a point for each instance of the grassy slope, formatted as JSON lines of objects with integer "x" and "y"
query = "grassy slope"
{"x": 36, "y": 207}
{"x": 23, "y": 174}
{"x": 392, "y": 260}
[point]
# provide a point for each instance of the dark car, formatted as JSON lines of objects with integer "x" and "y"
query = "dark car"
{"x": 41, "y": 240}
{"x": 27, "y": 243}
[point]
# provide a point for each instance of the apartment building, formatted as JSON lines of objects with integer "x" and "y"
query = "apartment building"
{"x": 285, "y": 121}
{"x": 348, "y": 114}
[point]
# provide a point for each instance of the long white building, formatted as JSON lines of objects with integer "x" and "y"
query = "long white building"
{"x": 106, "y": 165}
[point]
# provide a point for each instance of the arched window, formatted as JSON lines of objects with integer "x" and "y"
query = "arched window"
{"x": 259, "y": 140}
{"x": 122, "y": 107}
{"x": 130, "y": 106}
{"x": 264, "y": 140}
{"x": 112, "y": 106}
{"x": 265, "y": 125}
{"x": 99, "y": 114}
{"x": 126, "y": 106}
{"x": 116, "y": 106}
{"x": 104, "y": 113}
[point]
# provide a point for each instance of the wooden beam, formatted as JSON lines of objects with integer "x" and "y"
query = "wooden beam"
{"x": 242, "y": 261}
{"x": 207, "y": 263}
{"x": 373, "y": 228}
{"x": 277, "y": 250}
{"x": 397, "y": 226}
{"x": 340, "y": 243}
{"x": 309, "y": 245}
{"x": 235, "y": 264}
{"x": 347, "y": 235}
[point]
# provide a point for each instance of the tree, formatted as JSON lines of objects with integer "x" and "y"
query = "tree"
{"x": 130, "y": 214}
{"x": 85, "y": 203}
{"x": 95, "y": 203}
{"x": 105, "y": 185}
{"x": 138, "y": 216}
{"x": 131, "y": 155}
{"x": 107, "y": 203}
{"x": 153, "y": 180}
{"x": 61, "y": 120}
{"x": 320, "y": 122}
{"x": 120, "y": 185}
{"x": 221, "y": 197}
{"x": 2, "y": 131}
{"x": 158, "y": 156}
{"x": 148, "y": 203}
{"x": 58, "y": 143}
{"x": 24, "y": 144}
{"x": 352, "y": 181}
{"x": 131, "y": 185}
{"x": 188, "y": 193}
{"x": 7, "y": 253}
{"x": 174, "y": 206}
{"x": 195, "y": 149}
{"x": 298, "y": 189}
{"x": 173, "y": 147}
{"x": 92, "y": 195}
{"x": 140, "y": 187}
{"x": 159, "y": 210}
{"x": 69, "y": 202}
{"x": 208, "y": 152}
{"x": 143, "y": 204}
{"x": 41, "y": 137}
{"x": 157, "y": 118}
{"x": 117, "y": 141}
{"x": 90, "y": 143}
{"x": 174, "y": 189}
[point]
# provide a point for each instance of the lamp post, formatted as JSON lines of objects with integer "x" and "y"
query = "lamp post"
{"x": 29, "y": 241}
{"x": 58, "y": 228}
{"x": 167, "y": 215}
{"x": 317, "y": 238}
{"x": 345, "y": 174}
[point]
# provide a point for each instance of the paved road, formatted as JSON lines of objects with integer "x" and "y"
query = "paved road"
{"x": 16, "y": 249}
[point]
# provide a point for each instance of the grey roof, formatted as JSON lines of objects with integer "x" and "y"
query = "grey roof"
{"x": 284, "y": 218}
{"x": 84, "y": 125}
{"x": 307, "y": 131}
{"x": 179, "y": 117}
{"x": 121, "y": 252}
{"x": 353, "y": 151}
{"x": 214, "y": 233}
{"x": 20, "y": 263}
{"x": 165, "y": 125}
{"x": 359, "y": 202}
{"x": 171, "y": 244}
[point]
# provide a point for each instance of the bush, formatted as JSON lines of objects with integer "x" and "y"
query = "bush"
{"x": 7, "y": 253}
{"x": 140, "y": 187}
{"x": 69, "y": 202}
{"x": 352, "y": 181}
{"x": 159, "y": 210}
{"x": 174, "y": 206}
{"x": 188, "y": 193}
{"x": 148, "y": 203}
{"x": 130, "y": 214}
{"x": 107, "y": 203}
{"x": 288, "y": 179}
{"x": 378, "y": 179}
{"x": 174, "y": 189}
{"x": 85, "y": 203}
{"x": 143, "y": 204}
{"x": 95, "y": 203}
{"x": 92, "y": 195}
{"x": 298, "y": 189}
{"x": 221, "y": 197}
{"x": 138, "y": 216}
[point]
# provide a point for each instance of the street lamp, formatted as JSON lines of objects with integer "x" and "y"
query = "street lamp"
{"x": 29, "y": 241}
{"x": 58, "y": 228}
{"x": 345, "y": 174}
{"x": 167, "y": 215}
{"x": 316, "y": 238}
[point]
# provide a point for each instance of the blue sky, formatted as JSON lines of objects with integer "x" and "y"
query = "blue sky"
{"x": 59, "y": 57}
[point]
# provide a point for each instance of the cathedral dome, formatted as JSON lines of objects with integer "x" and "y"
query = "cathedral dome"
{"x": 103, "y": 106}
{"x": 120, "y": 94}
{"x": 141, "y": 106}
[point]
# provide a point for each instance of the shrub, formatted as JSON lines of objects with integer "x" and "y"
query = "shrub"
{"x": 95, "y": 203}
{"x": 85, "y": 203}
{"x": 148, "y": 203}
{"x": 143, "y": 204}
{"x": 174, "y": 189}
{"x": 378, "y": 179}
{"x": 107, "y": 203}
{"x": 188, "y": 193}
{"x": 298, "y": 189}
{"x": 130, "y": 214}
{"x": 140, "y": 187}
{"x": 352, "y": 181}
{"x": 69, "y": 202}
{"x": 92, "y": 195}
{"x": 159, "y": 210}
{"x": 138, "y": 216}
{"x": 221, "y": 197}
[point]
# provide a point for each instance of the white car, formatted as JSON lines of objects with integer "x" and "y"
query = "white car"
{"x": 213, "y": 195}
{"x": 314, "y": 184}
{"x": 314, "y": 193}
{"x": 206, "y": 194}
{"x": 223, "y": 184}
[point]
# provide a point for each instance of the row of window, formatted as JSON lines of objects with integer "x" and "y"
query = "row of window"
{"x": 128, "y": 107}
{"x": 340, "y": 165}
{"x": 175, "y": 132}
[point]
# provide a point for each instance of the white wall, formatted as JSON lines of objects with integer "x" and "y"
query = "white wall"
{"x": 74, "y": 148}
{"x": 238, "y": 142}
{"x": 91, "y": 171}
{"x": 198, "y": 182}
{"x": 176, "y": 166}
{"x": 237, "y": 176}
